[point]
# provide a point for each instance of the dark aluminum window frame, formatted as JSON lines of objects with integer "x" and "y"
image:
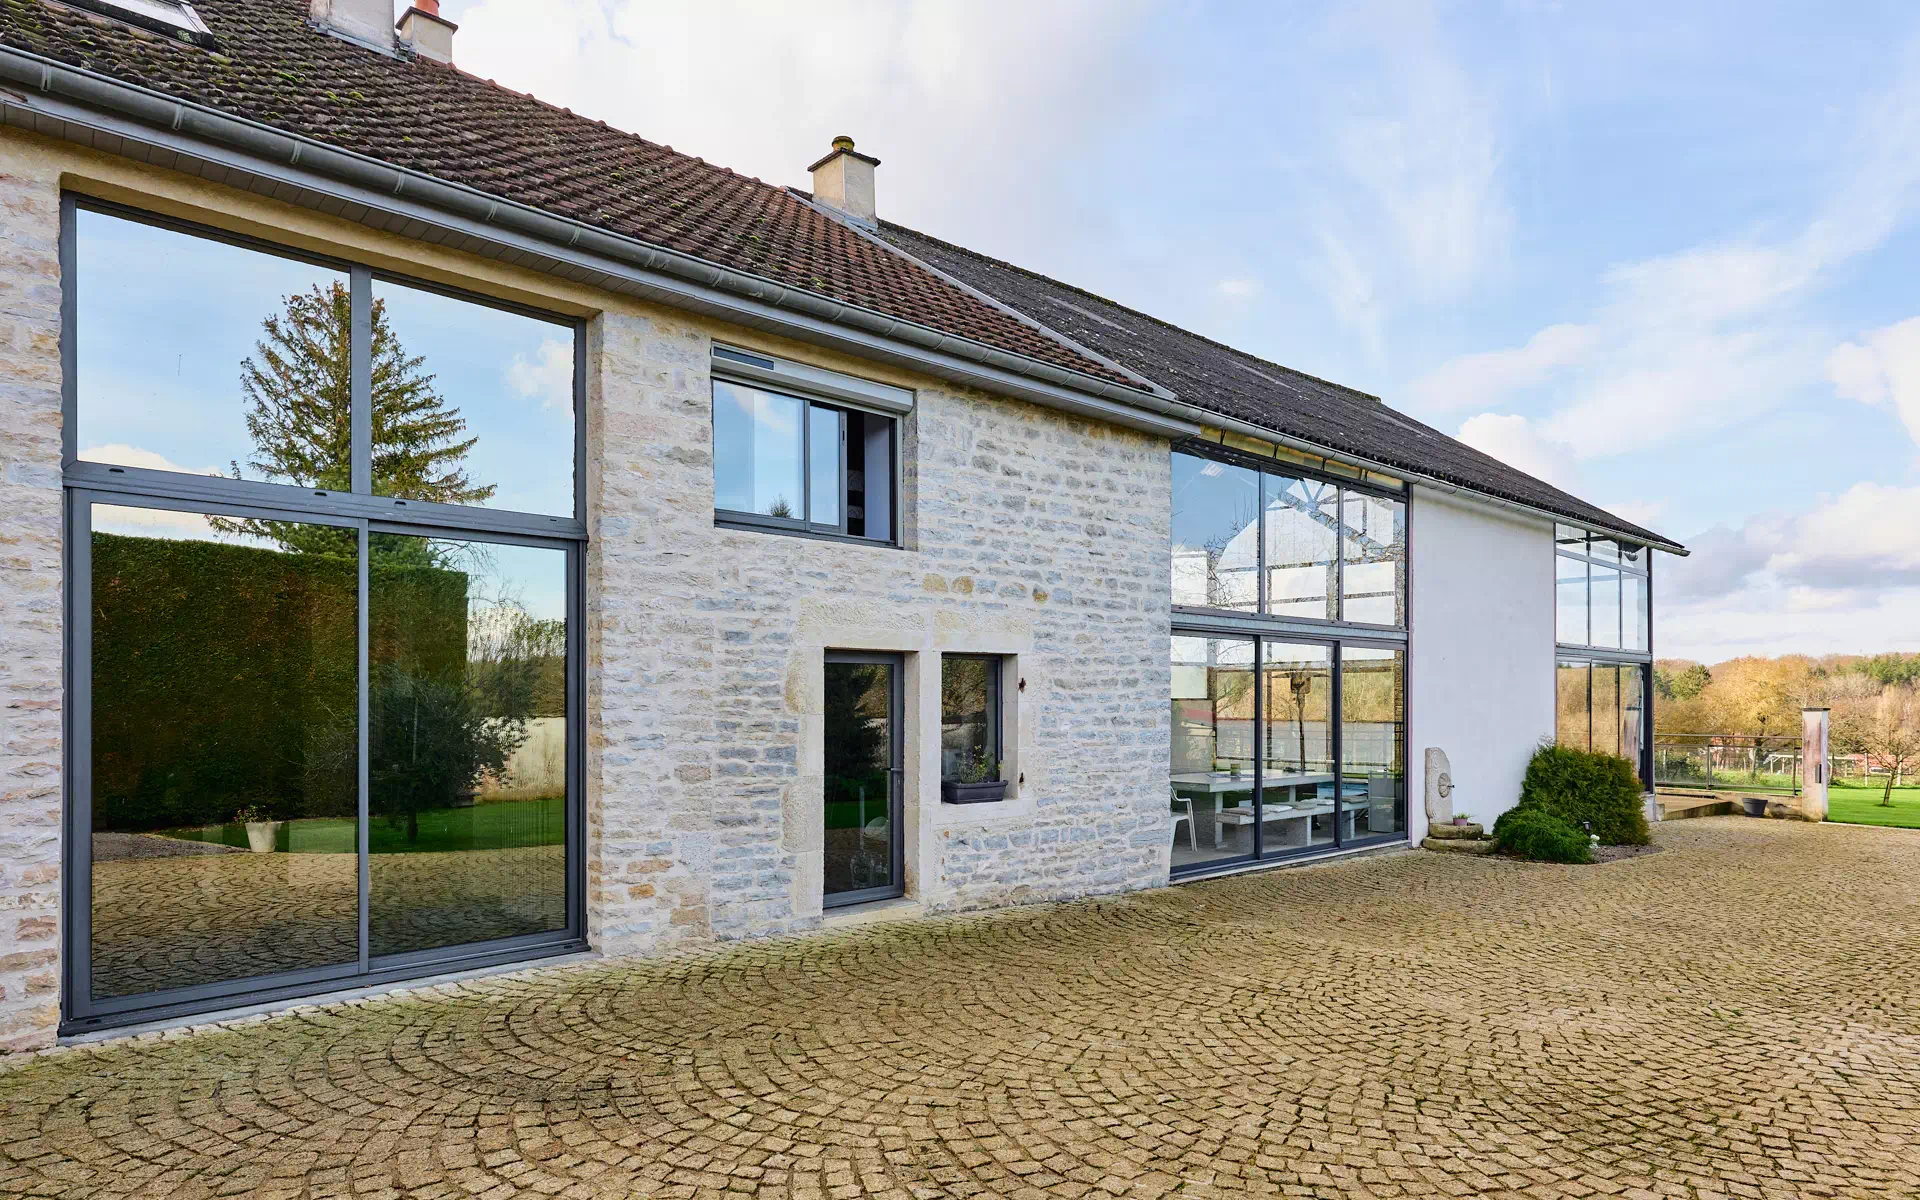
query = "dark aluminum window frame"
{"x": 87, "y": 483}
{"x": 805, "y": 526}
{"x": 1577, "y": 651}
{"x": 1270, "y": 467}
{"x": 996, "y": 709}
{"x": 896, "y": 778}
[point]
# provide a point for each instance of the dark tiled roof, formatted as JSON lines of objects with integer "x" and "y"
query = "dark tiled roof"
{"x": 273, "y": 67}
{"x": 1220, "y": 379}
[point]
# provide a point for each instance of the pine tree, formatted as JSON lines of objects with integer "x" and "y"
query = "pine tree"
{"x": 298, "y": 390}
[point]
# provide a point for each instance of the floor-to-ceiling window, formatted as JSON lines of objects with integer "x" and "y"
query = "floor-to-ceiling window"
{"x": 1289, "y": 659}
{"x": 325, "y": 531}
{"x": 1603, "y": 622}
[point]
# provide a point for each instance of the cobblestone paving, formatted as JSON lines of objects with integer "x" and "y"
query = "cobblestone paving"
{"x": 1738, "y": 1016}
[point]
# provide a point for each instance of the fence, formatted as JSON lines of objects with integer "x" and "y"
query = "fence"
{"x": 1731, "y": 761}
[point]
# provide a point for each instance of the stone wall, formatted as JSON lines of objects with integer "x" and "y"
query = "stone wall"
{"x": 30, "y": 606}
{"x": 1028, "y": 533}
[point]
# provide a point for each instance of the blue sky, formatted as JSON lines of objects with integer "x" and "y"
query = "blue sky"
{"x": 1658, "y": 254}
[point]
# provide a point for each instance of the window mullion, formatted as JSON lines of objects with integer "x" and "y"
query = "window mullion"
{"x": 360, "y": 379}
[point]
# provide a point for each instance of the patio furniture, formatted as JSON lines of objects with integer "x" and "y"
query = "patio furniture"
{"x": 1183, "y": 811}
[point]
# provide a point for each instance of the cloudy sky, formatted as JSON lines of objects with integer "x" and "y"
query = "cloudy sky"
{"x": 1663, "y": 258}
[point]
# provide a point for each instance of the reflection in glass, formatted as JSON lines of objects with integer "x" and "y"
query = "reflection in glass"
{"x": 1211, "y": 793}
{"x": 1634, "y": 612}
{"x": 1373, "y": 687}
{"x": 823, "y": 473}
{"x": 1570, "y": 602}
{"x": 1606, "y": 708}
{"x": 471, "y": 404}
{"x": 862, "y": 797}
{"x": 225, "y": 749}
{"x": 467, "y": 712}
{"x": 1605, "y": 618}
{"x": 1373, "y": 541}
{"x": 969, "y": 718}
{"x": 181, "y": 342}
{"x": 1633, "y": 713}
{"x": 1302, "y": 523}
{"x": 1216, "y": 523}
{"x": 1573, "y": 723}
{"x": 756, "y": 451}
{"x": 1297, "y": 786}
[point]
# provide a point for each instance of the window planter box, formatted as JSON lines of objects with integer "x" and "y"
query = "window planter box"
{"x": 973, "y": 793}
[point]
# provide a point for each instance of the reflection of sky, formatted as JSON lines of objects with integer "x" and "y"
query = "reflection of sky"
{"x": 164, "y": 320}
{"x": 756, "y": 450}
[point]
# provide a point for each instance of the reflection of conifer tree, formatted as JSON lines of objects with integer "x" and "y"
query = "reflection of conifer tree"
{"x": 297, "y": 389}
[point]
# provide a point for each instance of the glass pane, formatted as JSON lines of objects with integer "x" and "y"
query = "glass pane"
{"x": 756, "y": 451}
{"x": 1303, "y": 517}
{"x": 1373, "y": 771}
{"x": 1605, "y": 629}
{"x": 1569, "y": 538}
{"x": 969, "y": 718}
{"x": 1570, "y": 602}
{"x": 1604, "y": 548}
{"x": 1210, "y": 813}
{"x": 1373, "y": 540}
{"x": 1633, "y": 556}
{"x": 196, "y": 356}
{"x": 467, "y": 742}
{"x": 1216, "y": 522}
{"x": 225, "y": 749}
{"x": 1633, "y": 701}
{"x": 870, "y": 476}
{"x": 823, "y": 472}
{"x": 1573, "y": 724}
{"x": 1606, "y": 708}
{"x": 1297, "y": 808}
{"x": 471, "y": 404}
{"x": 860, "y": 782}
{"x": 1634, "y": 612}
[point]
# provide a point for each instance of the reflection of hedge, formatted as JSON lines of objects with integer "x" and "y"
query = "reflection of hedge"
{"x": 225, "y": 675}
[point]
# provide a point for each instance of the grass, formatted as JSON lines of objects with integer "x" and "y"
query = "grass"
{"x": 1858, "y": 804}
{"x": 499, "y": 825}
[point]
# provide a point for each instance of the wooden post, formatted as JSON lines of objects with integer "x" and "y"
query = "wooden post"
{"x": 1815, "y": 769}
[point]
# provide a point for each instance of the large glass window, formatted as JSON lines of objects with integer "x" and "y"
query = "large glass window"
{"x": 1286, "y": 545}
{"x": 1601, "y": 594}
{"x": 326, "y": 733}
{"x": 1373, "y": 735}
{"x": 1216, "y": 535}
{"x": 784, "y": 462}
{"x": 1298, "y": 782}
{"x": 1213, "y": 750}
{"x": 970, "y": 718}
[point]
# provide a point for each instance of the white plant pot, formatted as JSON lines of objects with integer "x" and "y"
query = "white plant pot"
{"x": 261, "y": 835}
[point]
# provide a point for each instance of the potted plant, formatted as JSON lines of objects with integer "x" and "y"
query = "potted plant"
{"x": 263, "y": 832}
{"x": 976, "y": 781}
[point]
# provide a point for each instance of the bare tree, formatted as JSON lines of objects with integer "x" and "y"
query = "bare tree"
{"x": 1891, "y": 736}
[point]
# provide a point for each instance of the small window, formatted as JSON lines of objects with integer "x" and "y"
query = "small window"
{"x": 175, "y": 18}
{"x": 786, "y": 462}
{"x": 970, "y": 718}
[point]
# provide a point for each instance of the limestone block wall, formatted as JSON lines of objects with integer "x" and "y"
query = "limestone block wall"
{"x": 1028, "y": 534}
{"x": 30, "y": 605}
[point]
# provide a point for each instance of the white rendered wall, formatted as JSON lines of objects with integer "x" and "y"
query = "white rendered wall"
{"x": 1482, "y": 650}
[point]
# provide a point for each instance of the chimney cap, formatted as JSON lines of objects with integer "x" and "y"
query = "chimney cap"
{"x": 844, "y": 145}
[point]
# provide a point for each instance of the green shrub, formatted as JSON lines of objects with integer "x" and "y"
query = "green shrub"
{"x": 1597, "y": 792}
{"x": 1540, "y": 836}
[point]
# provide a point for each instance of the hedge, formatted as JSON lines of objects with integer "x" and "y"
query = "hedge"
{"x": 1539, "y": 835}
{"x": 1589, "y": 791}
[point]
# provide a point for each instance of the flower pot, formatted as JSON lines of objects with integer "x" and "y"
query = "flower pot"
{"x": 261, "y": 835}
{"x": 1756, "y": 806}
{"x": 973, "y": 793}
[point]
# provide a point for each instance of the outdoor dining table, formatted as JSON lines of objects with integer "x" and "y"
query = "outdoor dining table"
{"x": 1211, "y": 785}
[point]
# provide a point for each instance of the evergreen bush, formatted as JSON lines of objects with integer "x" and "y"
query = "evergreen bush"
{"x": 1589, "y": 791}
{"x": 1534, "y": 834}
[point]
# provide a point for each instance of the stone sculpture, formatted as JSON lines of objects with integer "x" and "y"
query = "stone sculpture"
{"x": 1439, "y": 787}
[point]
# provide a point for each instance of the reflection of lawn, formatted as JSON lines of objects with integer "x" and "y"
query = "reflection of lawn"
{"x": 1860, "y": 805}
{"x": 498, "y": 826}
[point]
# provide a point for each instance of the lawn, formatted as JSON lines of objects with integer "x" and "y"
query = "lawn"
{"x": 497, "y": 826}
{"x": 1855, "y": 804}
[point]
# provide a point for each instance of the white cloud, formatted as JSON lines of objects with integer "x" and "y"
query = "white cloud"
{"x": 1486, "y": 377}
{"x": 120, "y": 454}
{"x": 1238, "y": 289}
{"x": 1882, "y": 369}
{"x": 549, "y": 377}
{"x": 1516, "y": 441}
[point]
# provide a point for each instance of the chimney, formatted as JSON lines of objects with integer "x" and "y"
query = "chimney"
{"x": 368, "y": 22}
{"x": 844, "y": 179}
{"x": 430, "y": 33}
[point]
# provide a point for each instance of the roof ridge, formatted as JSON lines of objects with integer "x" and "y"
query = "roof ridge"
{"x": 1145, "y": 316}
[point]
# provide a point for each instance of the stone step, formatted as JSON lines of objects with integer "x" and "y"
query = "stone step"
{"x": 1448, "y": 833}
{"x": 1460, "y": 845}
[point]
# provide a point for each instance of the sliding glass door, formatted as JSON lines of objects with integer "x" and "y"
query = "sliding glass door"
{"x": 1283, "y": 747}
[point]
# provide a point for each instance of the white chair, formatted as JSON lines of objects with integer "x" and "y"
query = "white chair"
{"x": 1182, "y": 811}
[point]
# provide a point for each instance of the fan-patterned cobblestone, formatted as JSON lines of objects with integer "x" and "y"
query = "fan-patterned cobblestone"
{"x": 1738, "y": 1016}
